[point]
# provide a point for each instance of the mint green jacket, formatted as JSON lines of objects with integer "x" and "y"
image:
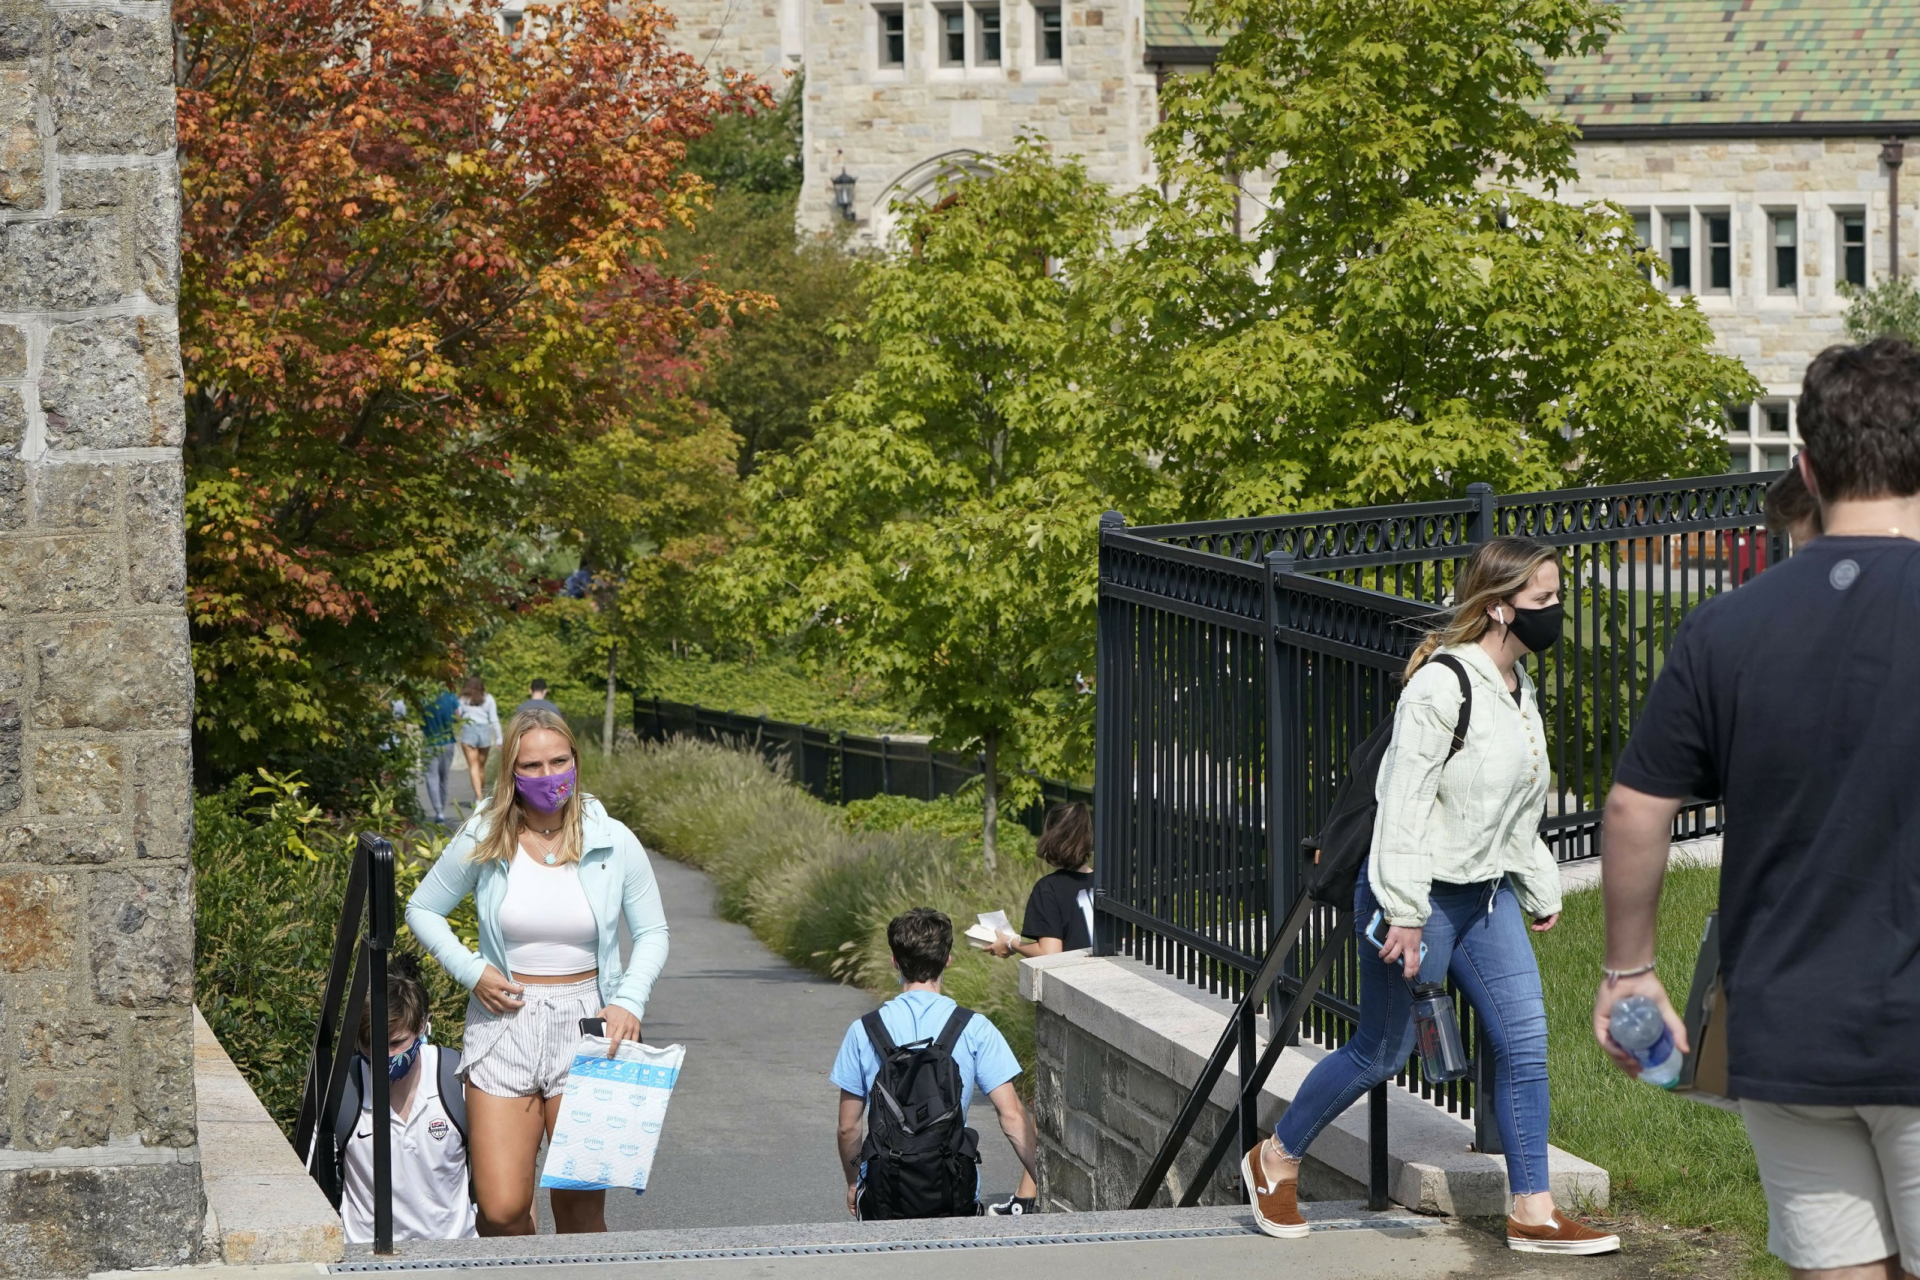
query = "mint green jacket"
{"x": 1470, "y": 819}
{"x": 619, "y": 884}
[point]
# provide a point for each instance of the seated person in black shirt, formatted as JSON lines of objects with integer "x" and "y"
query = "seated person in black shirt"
{"x": 1060, "y": 910}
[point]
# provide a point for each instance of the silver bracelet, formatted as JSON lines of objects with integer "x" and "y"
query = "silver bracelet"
{"x": 1614, "y": 975}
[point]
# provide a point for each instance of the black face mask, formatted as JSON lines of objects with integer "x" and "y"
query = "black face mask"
{"x": 1537, "y": 628}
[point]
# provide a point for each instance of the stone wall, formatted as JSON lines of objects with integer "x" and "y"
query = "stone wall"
{"x": 1102, "y": 1116}
{"x": 98, "y": 1166}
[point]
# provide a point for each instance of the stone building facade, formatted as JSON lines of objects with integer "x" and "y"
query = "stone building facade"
{"x": 98, "y": 1167}
{"x": 1749, "y": 137}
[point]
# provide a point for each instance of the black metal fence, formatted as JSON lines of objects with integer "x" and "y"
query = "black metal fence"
{"x": 839, "y": 767}
{"x": 1241, "y": 661}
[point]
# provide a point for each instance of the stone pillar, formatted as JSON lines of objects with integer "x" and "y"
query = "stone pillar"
{"x": 98, "y": 1167}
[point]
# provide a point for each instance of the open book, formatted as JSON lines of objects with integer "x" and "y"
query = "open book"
{"x": 992, "y": 927}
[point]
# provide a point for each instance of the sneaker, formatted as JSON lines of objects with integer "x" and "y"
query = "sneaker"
{"x": 1562, "y": 1235}
{"x": 1012, "y": 1207}
{"x": 1276, "y": 1208}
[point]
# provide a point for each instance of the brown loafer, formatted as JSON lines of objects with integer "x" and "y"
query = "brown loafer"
{"x": 1276, "y": 1208}
{"x": 1562, "y": 1235}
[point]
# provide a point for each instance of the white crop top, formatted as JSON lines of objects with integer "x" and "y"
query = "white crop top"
{"x": 545, "y": 920}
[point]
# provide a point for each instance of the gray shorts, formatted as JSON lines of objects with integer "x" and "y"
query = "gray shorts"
{"x": 528, "y": 1052}
{"x": 1843, "y": 1183}
{"x": 475, "y": 735}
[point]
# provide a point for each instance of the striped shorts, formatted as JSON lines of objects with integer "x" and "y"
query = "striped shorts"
{"x": 530, "y": 1050}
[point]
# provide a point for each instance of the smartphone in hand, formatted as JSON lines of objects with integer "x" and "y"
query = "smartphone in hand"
{"x": 1380, "y": 943}
{"x": 593, "y": 1027}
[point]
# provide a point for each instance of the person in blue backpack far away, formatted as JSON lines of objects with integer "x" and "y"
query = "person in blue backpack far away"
{"x": 912, "y": 1066}
{"x": 552, "y": 878}
{"x": 1456, "y": 858}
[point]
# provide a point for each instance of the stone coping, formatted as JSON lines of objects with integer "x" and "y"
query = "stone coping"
{"x": 262, "y": 1207}
{"x": 1170, "y": 1028}
{"x": 1701, "y": 852}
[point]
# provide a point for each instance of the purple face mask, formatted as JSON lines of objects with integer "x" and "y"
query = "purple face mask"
{"x": 547, "y": 793}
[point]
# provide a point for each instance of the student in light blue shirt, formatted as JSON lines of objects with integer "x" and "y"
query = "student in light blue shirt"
{"x": 922, "y": 944}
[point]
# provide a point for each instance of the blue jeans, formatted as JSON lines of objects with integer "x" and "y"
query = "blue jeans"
{"x": 1488, "y": 955}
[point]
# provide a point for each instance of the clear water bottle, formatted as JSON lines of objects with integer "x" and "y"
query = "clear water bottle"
{"x": 1437, "y": 1034}
{"x": 1637, "y": 1027}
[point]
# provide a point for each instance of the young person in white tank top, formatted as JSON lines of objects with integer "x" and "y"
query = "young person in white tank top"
{"x": 522, "y": 859}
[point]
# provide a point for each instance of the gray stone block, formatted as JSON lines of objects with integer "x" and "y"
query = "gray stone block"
{"x": 13, "y": 419}
{"x": 157, "y": 532}
{"x": 66, "y": 1110}
{"x": 113, "y": 383}
{"x": 140, "y": 937}
{"x": 72, "y": 1222}
{"x": 163, "y": 796}
{"x": 11, "y": 744}
{"x": 39, "y": 912}
{"x": 156, "y": 234}
{"x": 93, "y": 188}
{"x": 113, "y": 82}
{"x": 52, "y": 1036}
{"x": 13, "y": 662}
{"x": 60, "y": 573}
{"x": 76, "y": 844}
{"x": 160, "y": 1048}
{"x": 114, "y": 673}
{"x": 13, "y": 494}
{"x": 22, "y": 183}
{"x": 23, "y": 30}
{"x": 74, "y": 495}
{"x": 63, "y": 263}
{"x": 78, "y": 778}
{"x": 13, "y": 352}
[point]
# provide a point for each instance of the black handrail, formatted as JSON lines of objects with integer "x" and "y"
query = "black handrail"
{"x": 368, "y": 911}
{"x": 1239, "y": 1035}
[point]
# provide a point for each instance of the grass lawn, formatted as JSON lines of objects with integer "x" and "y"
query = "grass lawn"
{"x": 1673, "y": 1162}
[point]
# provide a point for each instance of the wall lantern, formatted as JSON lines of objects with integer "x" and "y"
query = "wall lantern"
{"x": 843, "y": 193}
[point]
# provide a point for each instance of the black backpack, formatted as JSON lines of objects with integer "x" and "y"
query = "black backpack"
{"x": 453, "y": 1098}
{"x": 1346, "y": 838}
{"x": 921, "y": 1159}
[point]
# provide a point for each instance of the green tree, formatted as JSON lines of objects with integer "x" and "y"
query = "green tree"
{"x": 1403, "y": 312}
{"x": 1891, "y": 307}
{"x": 937, "y": 529}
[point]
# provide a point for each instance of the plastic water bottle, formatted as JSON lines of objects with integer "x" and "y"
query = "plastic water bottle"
{"x": 1637, "y": 1027}
{"x": 1437, "y": 1034}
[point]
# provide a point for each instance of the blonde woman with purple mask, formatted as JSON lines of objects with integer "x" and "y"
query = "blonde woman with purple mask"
{"x": 552, "y": 876}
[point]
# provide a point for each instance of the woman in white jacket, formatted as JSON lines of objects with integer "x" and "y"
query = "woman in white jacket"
{"x": 1457, "y": 859}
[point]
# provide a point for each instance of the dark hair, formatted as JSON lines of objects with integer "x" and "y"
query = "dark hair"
{"x": 406, "y": 999}
{"x": 1860, "y": 418}
{"x": 538, "y": 686}
{"x": 1066, "y": 841}
{"x": 474, "y": 691}
{"x": 921, "y": 941}
{"x": 1790, "y": 502}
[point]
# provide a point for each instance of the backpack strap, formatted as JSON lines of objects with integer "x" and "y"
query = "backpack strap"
{"x": 956, "y": 1025}
{"x": 453, "y": 1098}
{"x": 877, "y": 1033}
{"x": 1459, "y": 670}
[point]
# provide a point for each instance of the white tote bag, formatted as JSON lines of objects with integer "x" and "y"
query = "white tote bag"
{"x": 611, "y": 1116}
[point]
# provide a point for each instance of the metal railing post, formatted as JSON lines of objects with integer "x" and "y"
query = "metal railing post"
{"x": 1109, "y": 756}
{"x": 1485, "y": 524}
{"x": 1283, "y": 871}
{"x": 1249, "y": 1109}
{"x": 380, "y": 905}
{"x": 1377, "y": 1148}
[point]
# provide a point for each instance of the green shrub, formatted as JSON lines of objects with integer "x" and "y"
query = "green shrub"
{"x": 270, "y": 871}
{"x": 780, "y": 688}
{"x": 817, "y": 884}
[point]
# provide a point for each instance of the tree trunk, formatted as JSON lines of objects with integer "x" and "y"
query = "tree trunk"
{"x": 990, "y": 823}
{"x": 606, "y": 725}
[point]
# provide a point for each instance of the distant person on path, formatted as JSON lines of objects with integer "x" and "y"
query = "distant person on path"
{"x": 1060, "y": 908}
{"x": 1456, "y": 864}
{"x": 552, "y": 877}
{"x": 438, "y": 724}
{"x": 929, "y": 1056}
{"x": 1792, "y": 512}
{"x": 536, "y": 699}
{"x": 429, "y": 1128}
{"x": 1791, "y": 702}
{"x": 479, "y": 733}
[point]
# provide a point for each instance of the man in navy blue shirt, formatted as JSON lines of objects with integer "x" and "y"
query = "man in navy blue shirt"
{"x": 1792, "y": 701}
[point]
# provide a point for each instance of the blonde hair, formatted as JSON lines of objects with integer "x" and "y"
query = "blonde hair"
{"x": 505, "y": 813}
{"x": 1497, "y": 569}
